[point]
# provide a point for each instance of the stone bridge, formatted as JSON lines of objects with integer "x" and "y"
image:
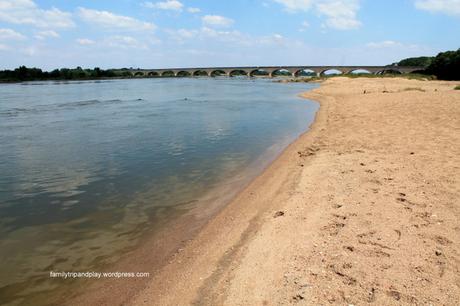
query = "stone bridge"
{"x": 268, "y": 71}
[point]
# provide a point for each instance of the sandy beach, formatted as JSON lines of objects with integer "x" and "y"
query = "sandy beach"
{"x": 362, "y": 209}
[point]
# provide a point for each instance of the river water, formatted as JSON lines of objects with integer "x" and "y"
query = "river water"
{"x": 89, "y": 168}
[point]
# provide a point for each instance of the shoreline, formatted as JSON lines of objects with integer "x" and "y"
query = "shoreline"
{"x": 168, "y": 242}
{"x": 233, "y": 216}
{"x": 172, "y": 239}
{"x": 333, "y": 218}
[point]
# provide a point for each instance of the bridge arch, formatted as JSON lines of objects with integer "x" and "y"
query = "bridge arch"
{"x": 238, "y": 72}
{"x": 389, "y": 71}
{"x": 153, "y": 74}
{"x": 168, "y": 73}
{"x": 183, "y": 74}
{"x": 281, "y": 72}
{"x": 305, "y": 73}
{"x": 331, "y": 71}
{"x": 359, "y": 71}
{"x": 199, "y": 73}
{"x": 218, "y": 73}
{"x": 139, "y": 74}
{"x": 259, "y": 72}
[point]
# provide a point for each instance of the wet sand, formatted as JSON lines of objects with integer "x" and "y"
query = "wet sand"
{"x": 362, "y": 209}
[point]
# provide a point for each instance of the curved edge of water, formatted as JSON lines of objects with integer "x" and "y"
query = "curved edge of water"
{"x": 172, "y": 239}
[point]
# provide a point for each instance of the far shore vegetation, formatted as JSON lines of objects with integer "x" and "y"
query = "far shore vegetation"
{"x": 410, "y": 76}
{"x": 444, "y": 66}
{"x": 35, "y": 74}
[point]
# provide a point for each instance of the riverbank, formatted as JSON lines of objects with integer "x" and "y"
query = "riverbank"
{"x": 175, "y": 178}
{"x": 363, "y": 208}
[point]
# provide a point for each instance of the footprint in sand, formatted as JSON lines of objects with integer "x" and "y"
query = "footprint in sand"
{"x": 335, "y": 226}
{"x": 442, "y": 240}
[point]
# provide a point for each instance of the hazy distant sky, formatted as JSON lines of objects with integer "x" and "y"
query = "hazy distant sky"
{"x": 189, "y": 33}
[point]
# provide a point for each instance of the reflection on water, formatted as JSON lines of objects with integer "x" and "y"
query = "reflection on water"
{"x": 87, "y": 168}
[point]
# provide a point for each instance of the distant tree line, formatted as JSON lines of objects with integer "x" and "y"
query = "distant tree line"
{"x": 422, "y": 61}
{"x": 33, "y": 74}
{"x": 445, "y": 66}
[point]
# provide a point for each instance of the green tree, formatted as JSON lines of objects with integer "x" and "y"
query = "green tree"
{"x": 446, "y": 65}
{"x": 422, "y": 61}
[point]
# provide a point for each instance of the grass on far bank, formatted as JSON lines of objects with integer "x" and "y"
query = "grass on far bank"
{"x": 410, "y": 76}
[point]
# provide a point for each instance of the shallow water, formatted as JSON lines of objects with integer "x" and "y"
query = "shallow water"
{"x": 88, "y": 168}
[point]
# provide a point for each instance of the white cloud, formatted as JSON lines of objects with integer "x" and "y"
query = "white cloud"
{"x": 390, "y": 44}
{"x": 8, "y": 34}
{"x": 4, "y": 47}
{"x": 85, "y": 41}
{"x": 215, "y": 20}
{"x": 228, "y": 36}
{"x": 234, "y": 38}
{"x": 119, "y": 42}
{"x": 193, "y": 10}
{"x": 27, "y": 12}
{"x": 185, "y": 34}
{"x": 296, "y": 5}
{"x": 110, "y": 20}
{"x": 383, "y": 44}
{"x": 449, "y": 7}
{"x": 343, "y": 23}
{"x": 275, "y": 39}
{"x": 339, "y": 14}
{"x": 304, "y": 26}
{"x": 47, "y": 34}
{"x": 169, "y": 5}
{"x": 125, "y": 42}
{"x": 116, "y": 42}
{"x": 29, "y": 51}
{"x": 208, "y": 34}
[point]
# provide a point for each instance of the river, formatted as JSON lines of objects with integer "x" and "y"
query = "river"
{"x": 90, "y": 168}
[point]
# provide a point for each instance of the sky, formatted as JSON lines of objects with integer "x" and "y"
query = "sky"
{"x": 51, "y": 34}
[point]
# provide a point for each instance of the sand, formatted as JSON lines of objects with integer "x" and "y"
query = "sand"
{"x": 362, "y": 209}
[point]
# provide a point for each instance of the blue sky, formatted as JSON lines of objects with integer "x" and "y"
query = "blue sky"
{"x": 191, "y": 33}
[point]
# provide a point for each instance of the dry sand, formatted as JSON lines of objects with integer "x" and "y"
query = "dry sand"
{"x": 362, "y": 209}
